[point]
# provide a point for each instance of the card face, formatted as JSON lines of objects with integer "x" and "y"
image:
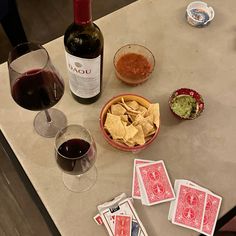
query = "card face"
{"x": 212, "y": 208}
{"x": 125, "y": 207}
{"x": 189, "y": 208}
{"x": 155, "y": 183}
{"x": 123, "y": 225}
{"x": 135, "y": 185}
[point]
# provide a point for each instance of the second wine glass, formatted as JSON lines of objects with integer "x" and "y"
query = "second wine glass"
{"x": 76, "y": 152}
{"x": 36, "y": 85}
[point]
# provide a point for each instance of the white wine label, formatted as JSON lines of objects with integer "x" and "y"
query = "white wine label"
{"x": 84, "y": 75}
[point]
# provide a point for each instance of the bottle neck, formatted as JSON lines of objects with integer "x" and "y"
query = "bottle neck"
{"x": 82, "y": 12}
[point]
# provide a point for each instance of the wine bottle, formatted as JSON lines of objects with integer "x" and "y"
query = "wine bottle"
{"x": 83, "y": 43}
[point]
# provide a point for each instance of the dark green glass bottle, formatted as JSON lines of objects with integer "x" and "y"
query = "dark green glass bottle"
{"x": 83, "y": 42}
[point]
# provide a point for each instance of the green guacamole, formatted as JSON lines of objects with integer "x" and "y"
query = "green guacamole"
{"x": 184, "y": 106}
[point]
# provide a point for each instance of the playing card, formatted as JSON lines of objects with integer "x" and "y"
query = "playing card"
{"x": 173, "y": 202}
{"x": 135, "y": 186}
{"x": 212, "y": 208}
{"x": 98, "y": 219}
{"x": 189, "y": 207}
{"x": 123, "y": 224}
{"x": 144, "y": 198}
{"x": 198, "y": 186}
{"x": 154, "y": 183}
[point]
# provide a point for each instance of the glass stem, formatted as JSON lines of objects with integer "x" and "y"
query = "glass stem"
{"x": 49, "y": 120}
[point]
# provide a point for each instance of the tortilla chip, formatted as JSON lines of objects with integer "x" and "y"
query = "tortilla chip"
{"x": 117, "y": 109}
{"x": 131, "y": 118}
{"x": 151, "y": 133}
{"x": 131, "y": 131}
{"x": 133, "y": 104}
{"x": 138, "y": 119}
{"x": 139, "y": 137}
{"x": 130, "y": 143}
{"x": 125, "y": 118}
{"x": 147, "y": 127}
{"x": 155, "y": 110}
{"x": 142, "y": 109}
{"x": 150, "y": 118}
{"x": 114, "y": 126}
{"x": 127, "y": 107}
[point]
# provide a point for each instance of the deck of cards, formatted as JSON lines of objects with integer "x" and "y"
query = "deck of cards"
{"x": 151, "y": 182}
{"x": 120, "y": 218}
{"x": 194, "y": 207}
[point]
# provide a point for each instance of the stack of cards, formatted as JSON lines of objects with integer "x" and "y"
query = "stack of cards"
{"x": 120, "y": 217}
{"x": 151, "y": 182}
{"x": 194, "y": 207}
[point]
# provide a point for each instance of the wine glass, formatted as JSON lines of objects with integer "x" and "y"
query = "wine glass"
{"x": 75, "y": 152}
{"x": 36, "y": 85}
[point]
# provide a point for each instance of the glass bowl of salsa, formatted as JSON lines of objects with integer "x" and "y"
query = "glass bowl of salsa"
{"x": 133, "y": 64}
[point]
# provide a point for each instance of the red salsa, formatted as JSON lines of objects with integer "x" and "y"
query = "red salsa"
{"x": 133, "y": 66}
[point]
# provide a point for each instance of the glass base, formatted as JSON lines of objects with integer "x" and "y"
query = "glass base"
{"x": 80, "y": 183}
{"x": 49, "y": 129}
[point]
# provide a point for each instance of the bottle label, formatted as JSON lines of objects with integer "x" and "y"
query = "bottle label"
{"x": 84, "y": 75}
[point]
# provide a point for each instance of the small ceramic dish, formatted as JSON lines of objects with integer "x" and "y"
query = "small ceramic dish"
{"x": 199, "y": 14}
{"x": 186, "y": 103}
{"x": 133, "y": 64}
{"x": 115, "y": 100}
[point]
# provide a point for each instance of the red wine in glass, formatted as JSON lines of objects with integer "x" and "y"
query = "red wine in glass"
{"x": 37, "y": 90}
{"x": 75, "y": 156}
{"x": 36, "y": 85}
{"x": 75, "y": 152}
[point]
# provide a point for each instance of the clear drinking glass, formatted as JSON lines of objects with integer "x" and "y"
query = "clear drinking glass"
{"x": 36, "y": 85}
{"x": 75, "y": 152}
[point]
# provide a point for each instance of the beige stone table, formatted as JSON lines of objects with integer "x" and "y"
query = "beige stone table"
{"x": 202, "y": 150}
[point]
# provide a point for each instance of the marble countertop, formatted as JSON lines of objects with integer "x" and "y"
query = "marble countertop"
{"x": 202, "y": 150}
